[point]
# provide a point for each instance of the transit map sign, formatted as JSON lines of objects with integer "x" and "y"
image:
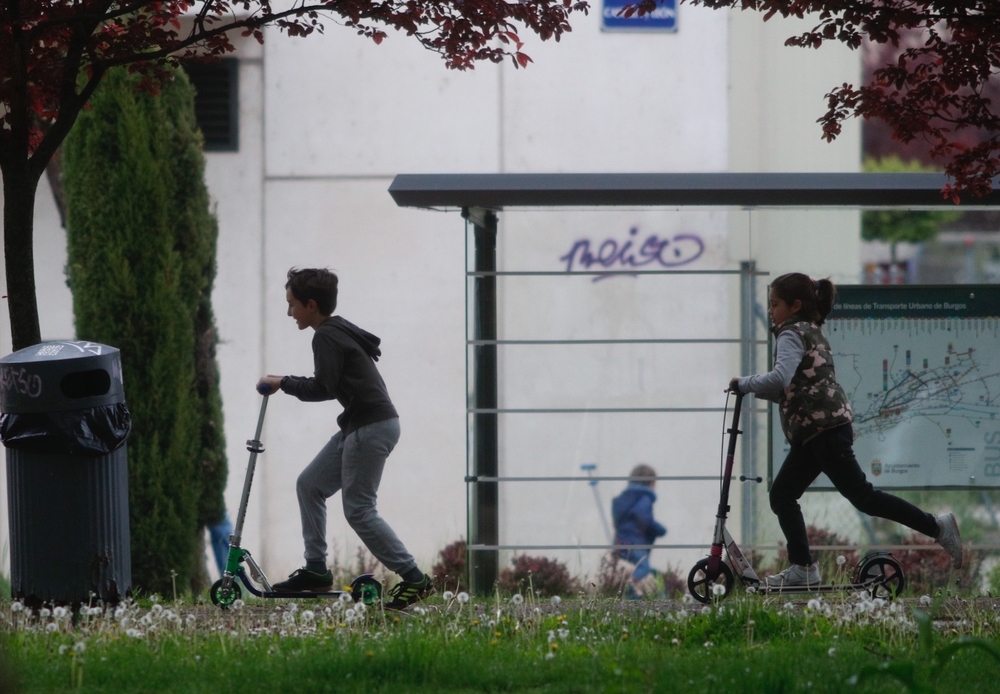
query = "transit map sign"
{"x": 921, "y": 367}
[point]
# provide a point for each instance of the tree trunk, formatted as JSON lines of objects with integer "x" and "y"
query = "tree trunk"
{"x": 18, "y": 238}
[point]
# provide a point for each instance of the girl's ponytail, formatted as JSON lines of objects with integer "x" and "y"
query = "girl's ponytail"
{"x": 826, "y": 292}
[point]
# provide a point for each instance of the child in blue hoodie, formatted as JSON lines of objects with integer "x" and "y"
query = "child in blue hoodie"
{"x": 632, "y": 513}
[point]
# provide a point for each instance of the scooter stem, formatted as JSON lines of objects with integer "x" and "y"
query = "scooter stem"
{"x": 255, "y": 447}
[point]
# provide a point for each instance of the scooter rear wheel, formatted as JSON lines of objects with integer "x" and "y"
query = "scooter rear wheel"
{"x": 702, "y": 588}
{"x": 886, "y": 573}
{"x": 221, "y": 597}
{"x": 366, "y": 589}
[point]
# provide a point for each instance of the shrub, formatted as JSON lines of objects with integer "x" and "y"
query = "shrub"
{"x": 928, "y": 571}
{"x": 451, "y": 570}
{"x": 546, "y": 577}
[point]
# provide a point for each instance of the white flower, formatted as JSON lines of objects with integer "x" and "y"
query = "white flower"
{"x": 154, "y": 599}
{"x": 815, "y": 604}
{"x": 551, "y": 636}
{"x": 550, "y": 655}
{"x": 292, "y": 607}
{"x": 79, "y": 647}
{"x": 191, "y": 619}
{"x": 361, "y": 608}
{"x": 925, "y": 600}
{"x": 555, "y": 600}
{"x": 125, "y": 621}
{"x": 134, "y": 633}
{"x": 350, "y": 614}
{"x": 346, "y": 598}
{"x": 95, "y": 612}
{"x": 687, "y": 599}
{"x": 675, "y": 642}
{"x": 146, "y": 620}
{"x": 238, "y": 604}
{"x": 832, "y": 652}
{"x": 462, "y": 598}
{"x": 63, "y": 649}
{"x": 718, "y": 589}
{"x": 156, "y": 609}
{"x": 517, "y": 599}
{"x": 51, "y": 627}
{"x": 563, "y": 633}
{"x": 16, "y": 606}
{"x": 709, "y": 644}
{"x": 706, "y": 610}
{"x": 841, "y": 560}
{"x": 60, "y": 612}
{"x": 307, "y": 616}
{"x": 448, "y": 595}
{"x": 419, "y": 611}
{"x": 44, "y": 613}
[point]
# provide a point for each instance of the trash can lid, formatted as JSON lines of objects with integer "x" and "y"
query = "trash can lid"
{"x": 60, "y": 375}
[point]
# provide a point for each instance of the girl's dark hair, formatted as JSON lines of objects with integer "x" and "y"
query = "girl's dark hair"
{"x": 817, "y": 296}
{"x": 320, "y": 285}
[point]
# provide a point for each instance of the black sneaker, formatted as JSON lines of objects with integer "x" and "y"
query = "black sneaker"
{"x": 405, "y": 593}
{"x": 305, "y": 580}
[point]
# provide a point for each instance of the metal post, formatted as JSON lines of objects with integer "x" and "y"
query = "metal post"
{"x": 484, "y": 516}
{"x": 748, "y": 364}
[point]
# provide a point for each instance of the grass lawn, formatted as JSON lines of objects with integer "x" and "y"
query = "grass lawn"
{"x": 746, "y": 644}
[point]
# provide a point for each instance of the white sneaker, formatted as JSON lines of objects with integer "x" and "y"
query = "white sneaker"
{"x": 795, "y": 575}
{"x": 949, "y": 538}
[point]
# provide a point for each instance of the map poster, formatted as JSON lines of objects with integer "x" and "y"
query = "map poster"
{"x": 921, "y": 367}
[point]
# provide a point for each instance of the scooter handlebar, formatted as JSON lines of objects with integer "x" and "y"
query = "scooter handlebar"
{"x": 263, "y": 389}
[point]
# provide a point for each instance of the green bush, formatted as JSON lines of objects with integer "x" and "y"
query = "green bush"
{"x": 141, "y": 243}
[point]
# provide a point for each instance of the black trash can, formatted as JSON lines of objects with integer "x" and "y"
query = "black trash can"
{"x": 64, "y": 425}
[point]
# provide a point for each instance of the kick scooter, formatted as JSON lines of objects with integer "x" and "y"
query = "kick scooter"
{"x": 365, "y": 588}
{"x": 878, "y": 573}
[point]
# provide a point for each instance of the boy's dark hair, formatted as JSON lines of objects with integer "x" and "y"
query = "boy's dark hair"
{"x": 645, "y": 473}
{"x": 320, "y": 285}
{"x": 817, "y": 296}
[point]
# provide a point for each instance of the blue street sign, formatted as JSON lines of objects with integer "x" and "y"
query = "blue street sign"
{"x": 663, "y": 18}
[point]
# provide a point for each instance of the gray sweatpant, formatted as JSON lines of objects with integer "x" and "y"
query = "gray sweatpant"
{"x": 352, "y": 465}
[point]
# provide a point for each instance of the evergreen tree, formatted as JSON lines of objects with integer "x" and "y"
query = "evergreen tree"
{"x": 141, "y": 244}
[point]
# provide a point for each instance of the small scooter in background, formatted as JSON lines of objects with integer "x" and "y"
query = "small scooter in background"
{"x": 224, "y": 592}
{"x": 878, "y": 572}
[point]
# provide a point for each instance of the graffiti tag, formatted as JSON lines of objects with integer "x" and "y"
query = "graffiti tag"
{"x": 20, "y": 381}
{"x": 654, "y": 252}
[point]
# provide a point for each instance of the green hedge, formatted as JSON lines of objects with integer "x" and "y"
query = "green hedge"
{"x": 141, "y": 241}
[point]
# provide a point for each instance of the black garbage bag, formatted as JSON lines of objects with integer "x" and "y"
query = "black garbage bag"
{"x": 91, "y": 431}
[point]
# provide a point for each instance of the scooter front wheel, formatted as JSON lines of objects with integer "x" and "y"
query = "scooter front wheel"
{"x": 224, "y": 598}
{"x": 704, "y": 589}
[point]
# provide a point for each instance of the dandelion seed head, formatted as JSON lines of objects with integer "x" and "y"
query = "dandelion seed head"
{"x": 709, "y": 644}
{"x": 706, "y": 610}
{"x": 134, "y": 633}
{"x": 16, "y": 606}
{"x": 550, "y": 655}
{"x": 238, "y": 604}
{"x": 292, "y": 607}
{"x": 675, "y": 642}
{"x": 351, "y": 613}
{"x": 346, "y": 598}
{"x": 462, "y": 598}
{"x": 62, "y": 649}
{"x": 44, "y": 613}
{"x": 154, "y": 599}
{"x": 60, "y": 612}
{"x": 448, "y": 595}
{"x": 555, "y": 600}
{"x": 51, "y": 627}
{"x": 517, "y": 598}
{"x": 419, "y": 611}
{"x": 361, "y": 608}
{"x": 79, "y": 647}
{"x": 687, "y": 599}
{"x": 815, "y": 605}
{"x": 718, "y": 589}
{"x": 832, "y": 652}
{"x": 925, "y": 600}
{"x": 307, "y": 616}
{"x": 841, "y": 560}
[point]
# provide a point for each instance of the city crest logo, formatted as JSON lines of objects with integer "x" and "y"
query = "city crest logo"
{"x": 876, "y": 467}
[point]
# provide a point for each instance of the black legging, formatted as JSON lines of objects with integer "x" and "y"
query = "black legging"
{"x": 831, "y": 452}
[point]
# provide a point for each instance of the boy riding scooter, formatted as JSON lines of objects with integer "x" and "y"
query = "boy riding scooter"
{"x": 352, "y": 462}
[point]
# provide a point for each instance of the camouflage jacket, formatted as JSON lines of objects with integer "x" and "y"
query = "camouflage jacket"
{"x": 813, "y": 402}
